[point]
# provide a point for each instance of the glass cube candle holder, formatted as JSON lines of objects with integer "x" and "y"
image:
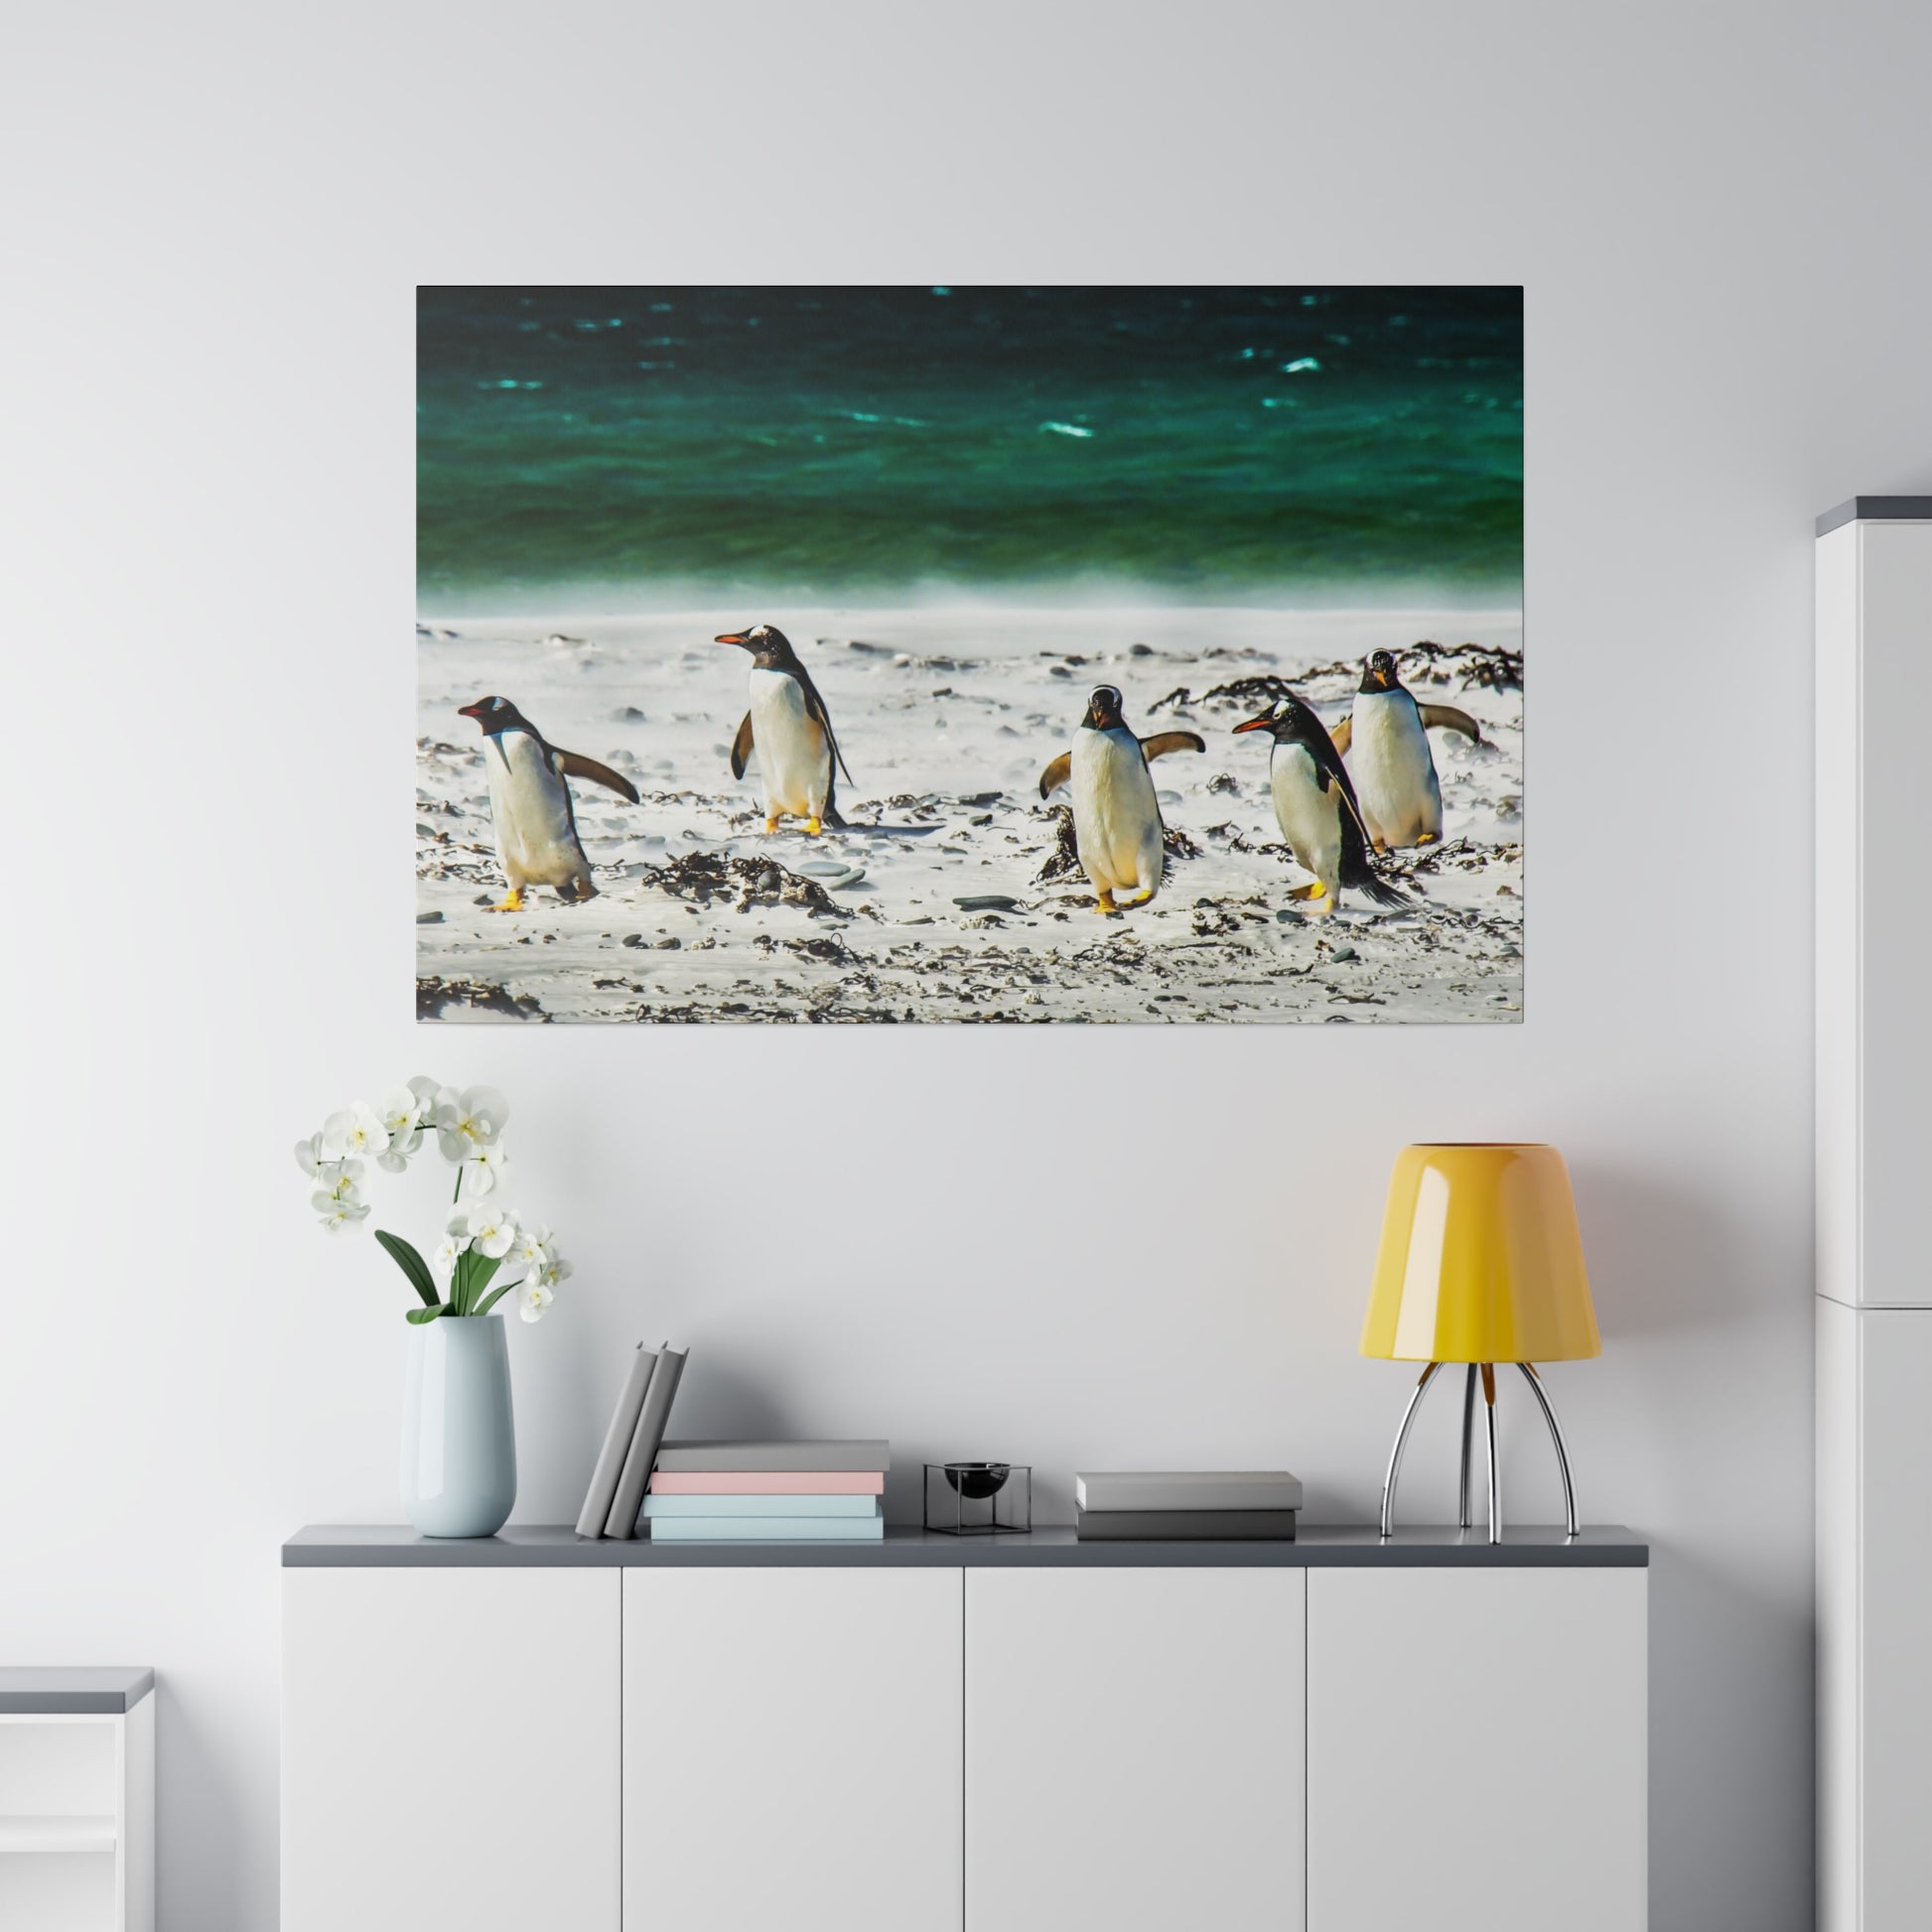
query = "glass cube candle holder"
{"x": 979, "y": 1498}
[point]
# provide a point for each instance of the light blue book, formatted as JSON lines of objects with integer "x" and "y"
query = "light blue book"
{"x": 660, "y": 1507}
{"x": 767, "y": 1529}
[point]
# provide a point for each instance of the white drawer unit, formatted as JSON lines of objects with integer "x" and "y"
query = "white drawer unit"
{"x": 946, "y": 1734}
{"x": 77, "y": 1800}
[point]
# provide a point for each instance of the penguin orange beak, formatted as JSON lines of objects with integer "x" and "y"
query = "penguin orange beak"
{"x": 1256, "y": 724}
{"x": 730, "y": 637}
{"x": 469, "y": 711}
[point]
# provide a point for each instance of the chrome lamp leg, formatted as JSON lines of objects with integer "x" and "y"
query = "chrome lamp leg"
{"x": 1495, "y": 1468}
{"x": 1555, "y": 1436}
{"x": 1401, "y": 1439}
{"x": 1463, "y": 1517}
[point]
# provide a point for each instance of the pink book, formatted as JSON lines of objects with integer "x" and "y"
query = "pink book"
{"x": 771, "y": 1483}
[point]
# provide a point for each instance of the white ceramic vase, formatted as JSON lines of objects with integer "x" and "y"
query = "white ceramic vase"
{"x": 459, "y": 1438}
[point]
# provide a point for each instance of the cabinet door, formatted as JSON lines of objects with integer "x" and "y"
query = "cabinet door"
{"x": 1134, "y": 1750}
{"x": 791, "y": 1750}
{"x": 1895, "y": 1765}
{"x": 450, "y": 1750}
{"x": 1476, "y": 1745}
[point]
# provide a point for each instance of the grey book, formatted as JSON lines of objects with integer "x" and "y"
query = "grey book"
{"x": 738, "y": 1459}
{"x": 1190, "y": 1489}
{"x": 645, "y": 1440}
{"x": 1187, "y": 1526}
{"x": 616, "y": 1444}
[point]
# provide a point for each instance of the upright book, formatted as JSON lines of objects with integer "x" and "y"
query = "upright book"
{"x": 602, "y": 1491}
{"x": 645, "y": 1442}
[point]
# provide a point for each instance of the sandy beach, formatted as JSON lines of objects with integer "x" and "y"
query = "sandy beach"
{"x": 956, "y": 902}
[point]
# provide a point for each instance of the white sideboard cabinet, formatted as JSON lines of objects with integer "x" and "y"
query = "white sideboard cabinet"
{"x": 1875, "y": 1265}
{"x": 946, "y": 1734}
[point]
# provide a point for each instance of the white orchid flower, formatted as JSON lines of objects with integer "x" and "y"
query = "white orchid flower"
{"x": 551, "y": 1271}
{"x": 426, "y": 1090}
{"x": 339, "y": 1211}
{"x": 486, "y": 1171}
{"x": 533, "y": 1247}
{"x": 310, "y": 1158}
{"x": 531, "y": 1301}
{"x": 401, "y": 1114}
{"x": 341, "y": 1181}
{"x": 468, "y": 1121}
{"x": 492, "y": 1232}
{"x": 357, "y": 1130}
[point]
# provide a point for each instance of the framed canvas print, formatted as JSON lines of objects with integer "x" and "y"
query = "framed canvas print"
{"x": 973, "y": 654}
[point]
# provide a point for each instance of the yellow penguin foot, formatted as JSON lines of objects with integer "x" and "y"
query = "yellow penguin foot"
{"x": 1381, "y": 845}
{"x": 1428, "y": 838}
{"x": 770, "y": 823}
{"x": 1317, "y": 891}
{"x": 512, "y": 902}
{"x": 814, "y": 828}
{"x": 1104, "y": 902}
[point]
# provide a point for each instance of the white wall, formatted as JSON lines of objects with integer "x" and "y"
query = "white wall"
{"x": 215, "y": 218}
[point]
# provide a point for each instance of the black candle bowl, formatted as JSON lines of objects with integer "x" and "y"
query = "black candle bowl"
{"x": 978, "y": 1481}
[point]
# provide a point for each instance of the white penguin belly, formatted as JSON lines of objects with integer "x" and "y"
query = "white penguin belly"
{"x": 1309, "y": 818}
{"x": 1116, "y": 816}
{"x": 529, "y": 811}
{"x": 794, "y": 760}
{"x": 1394, "y": 770}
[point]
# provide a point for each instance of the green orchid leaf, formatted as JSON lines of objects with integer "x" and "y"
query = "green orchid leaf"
{"x": 412, "y": 1265}
{"x": 494, "y": 1296}
{"x": 420, "y": 1316}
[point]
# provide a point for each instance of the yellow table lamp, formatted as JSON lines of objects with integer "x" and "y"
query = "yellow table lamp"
{"x": 1480, "y": 1262}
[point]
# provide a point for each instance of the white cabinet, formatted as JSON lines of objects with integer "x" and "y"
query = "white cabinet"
{"x": 1476, "y": 1750}
{"x": 76, "y": 1817}
{"x": 1875, "y": 1262}
{"x": 791, "y": 1758}
{"x": 1134, "y": 1750}
{"x": 532, "y": 1733}
{"x": 450, "y": 1750}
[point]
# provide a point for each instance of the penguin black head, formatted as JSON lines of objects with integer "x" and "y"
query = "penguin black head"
{"x": 1379, "y": 673}
{"x": 1103, "y": 710}
{"x": 494, "y": 715}
{"x": 770, "y": 649}
{"x": 1288, "y": 720}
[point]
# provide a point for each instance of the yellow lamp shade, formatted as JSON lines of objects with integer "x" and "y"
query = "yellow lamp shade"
{"x": 1480, "y": 1260}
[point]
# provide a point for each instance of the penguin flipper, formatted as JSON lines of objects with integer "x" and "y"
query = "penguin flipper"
{"x": 815, "y": 710}
{"x": 1357, "y": 869}
{"x": 1342, "y": 736}
{"x": 1446, "y": 717}
{"x": 1163, "y": 743}
{"x": 1057, "y": 773}
{"x": 574, "y": 765}
{"x": 742, "y": 747}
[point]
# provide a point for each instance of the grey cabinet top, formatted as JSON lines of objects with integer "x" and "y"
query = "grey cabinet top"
{"x": 1318, "y": 1546}
{"x": 1877, "y": 509}
{"x": 70, "y": 1690}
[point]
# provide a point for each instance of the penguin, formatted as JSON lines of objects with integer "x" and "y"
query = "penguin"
{"x": 530, "y": 803}
{"x": 791, "y": 732}
{"x": 1386, "y": 742}
{"x": 1317, "y": 808}
{"x": 1117, "y": 826}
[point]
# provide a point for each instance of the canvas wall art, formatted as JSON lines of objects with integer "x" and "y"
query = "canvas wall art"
{"x": 970, "y": 654}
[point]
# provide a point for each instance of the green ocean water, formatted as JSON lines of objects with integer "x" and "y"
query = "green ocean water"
{"x": 1208, "y": 441}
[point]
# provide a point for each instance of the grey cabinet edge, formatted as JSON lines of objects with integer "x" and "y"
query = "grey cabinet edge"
{"x": 1318, "y": 1547}
{"x": 84, "y": 1691}
{"x": 1877, "y": 510}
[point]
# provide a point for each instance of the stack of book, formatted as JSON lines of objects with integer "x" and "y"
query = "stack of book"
{"x": 1227, "y": 1505}
{"x": 617, "y": 1492}
{"x": 778, "y": 1492}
